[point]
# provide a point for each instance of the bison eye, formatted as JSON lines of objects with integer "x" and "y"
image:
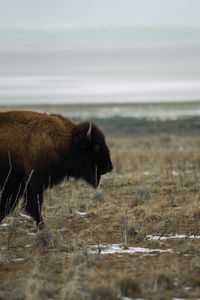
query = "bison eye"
{"x": 97, "y": 147}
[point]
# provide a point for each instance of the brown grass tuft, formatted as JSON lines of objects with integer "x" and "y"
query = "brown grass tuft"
{"x": 44, "y": 239}
{"x": 102, "y": 291}
{"x": 163, "y": 282}
{"x": 129, "y": 287}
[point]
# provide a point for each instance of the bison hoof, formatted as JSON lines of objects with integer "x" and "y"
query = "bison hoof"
{"x": 41, "y": 226}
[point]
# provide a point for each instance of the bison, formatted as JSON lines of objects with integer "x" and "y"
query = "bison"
{"x": 38, "y": 150}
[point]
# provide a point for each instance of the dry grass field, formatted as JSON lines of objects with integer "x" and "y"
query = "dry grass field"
{"x": 137, "y": 236}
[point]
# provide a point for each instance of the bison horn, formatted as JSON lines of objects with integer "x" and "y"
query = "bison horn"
{"x": 89, "y": 130}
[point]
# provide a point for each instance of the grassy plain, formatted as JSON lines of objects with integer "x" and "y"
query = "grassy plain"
{"x": 154, "y": 191}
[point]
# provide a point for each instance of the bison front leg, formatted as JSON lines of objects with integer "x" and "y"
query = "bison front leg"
{"x": 2, "y": 216}
{"x": 44, "y": 238}
{"x": 33, "y": 204}
{"x": 8, "y": 202}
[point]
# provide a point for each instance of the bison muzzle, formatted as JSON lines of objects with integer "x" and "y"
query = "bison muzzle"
{"x": 38, "y": 151}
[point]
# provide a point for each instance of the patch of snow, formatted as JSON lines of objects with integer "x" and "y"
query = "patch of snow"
{"x": 127, "y": 298}
{"x": 118, "y": 248}
{"x": 188, "y": 288}
{"x": 3, "y": 248}
{"x": 25, "y": 216}
{"x": 176, "y": 236}
{"x": 31, "y": 233}
{"x": 4, "y": 224}
{"x": 175, "y": 173}
{"x": 146, "y": 172}
{"x": 17, "y": 259}
{"x": 80, "y": 213}
{"x": 180, "y": 148}
{"x": 61, "y": 229}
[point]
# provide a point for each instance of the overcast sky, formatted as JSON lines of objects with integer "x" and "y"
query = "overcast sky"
{"x": 30, "y": 13}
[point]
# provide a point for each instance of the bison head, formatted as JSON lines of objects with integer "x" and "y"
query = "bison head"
{"x": 91, "y": 153}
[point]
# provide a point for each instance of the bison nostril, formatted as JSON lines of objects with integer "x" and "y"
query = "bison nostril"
{"x": 110, "y": 168}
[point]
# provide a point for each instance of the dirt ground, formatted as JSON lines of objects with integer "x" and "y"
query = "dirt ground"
{"x": 136, "y": 236}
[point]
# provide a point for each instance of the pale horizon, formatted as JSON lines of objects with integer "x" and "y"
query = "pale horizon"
{"x": 53, "y": 13}
{"x": 96, "y": 52}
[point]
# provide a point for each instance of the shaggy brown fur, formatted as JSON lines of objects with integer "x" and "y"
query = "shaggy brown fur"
{"x": 38, "y": 150}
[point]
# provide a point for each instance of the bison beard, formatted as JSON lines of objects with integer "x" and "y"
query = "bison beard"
{"x": 39, "y": 150}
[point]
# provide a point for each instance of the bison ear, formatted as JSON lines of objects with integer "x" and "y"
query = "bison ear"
{"x": 82, "y": 136}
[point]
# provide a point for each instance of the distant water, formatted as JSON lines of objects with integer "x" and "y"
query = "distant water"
{"x": 88, "y": 70}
